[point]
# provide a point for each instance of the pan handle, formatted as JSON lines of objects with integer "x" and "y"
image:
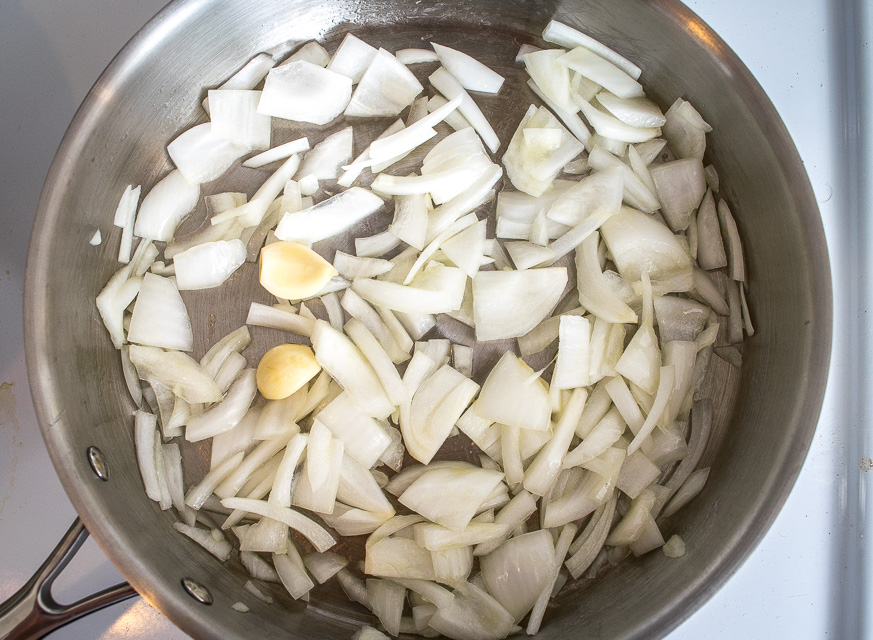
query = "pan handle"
{"x": 33, "y": 613}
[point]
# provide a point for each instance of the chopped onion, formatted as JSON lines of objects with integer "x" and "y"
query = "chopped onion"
{"x": 416, "y": 56}
{"x": 680, "y": 186}
{"x": 226, "y": 414}
{"x": 736, "y": 263}
{"x": 234, "y": 117}
{"x": 352, "y": 58}
{"x": 319, "y": 538}
{"x": 517, "y": 572}
{"x": 305, "y": 92}
{"x": 345, "y": 363}
{"x": 508, "y": 304}
{"x": 469, "y": 72}
{"x": 450, "y": 496}
{"x": 325, "y": 158}
{"x": 329, "y": 217}
{"x": 473, "y": 615}
{"x": 446, "y": 84}
{"x": 278, "y": 153}
{"x": 202, "y": 155}
{"x": 160, "y": 318}
{"x": 164, "y": 207}
{"x": 512, "y": 394}
{"x": 565, "y": 36}
{"x": 293, "y": 575}
{"x": 364, "y": 439}
{"x": 323, "y": 566}
{"x": 386, "y": 88}
{"x": 435, "y": 408}
{"x": 220, "y": 547}
{"x": 261, "y": 315}
{"x": 597, "y": 69}
{"x": 550, "y": 77}
{"x": 386, "y": 599}
{"x": 398, "y": 558}
{"x": 208, "y": 265}
{"x": 176, "y": 370}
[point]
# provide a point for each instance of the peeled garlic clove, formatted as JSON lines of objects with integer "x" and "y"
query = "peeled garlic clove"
{"x": 293, "y": 271}
{"x": 285, "y": 369}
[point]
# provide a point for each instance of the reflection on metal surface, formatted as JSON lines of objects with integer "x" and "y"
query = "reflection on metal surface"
{"x": 138, "y": 621}
{"x": 98, "y": 463}
{"x": 699, "y": 29}
{"x": 197, "y": 591}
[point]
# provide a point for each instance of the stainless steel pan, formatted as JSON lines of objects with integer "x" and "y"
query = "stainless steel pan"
{"x": 152, "y": 90}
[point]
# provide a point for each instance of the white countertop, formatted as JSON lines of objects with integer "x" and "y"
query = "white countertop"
{"x": 806, "y": 580}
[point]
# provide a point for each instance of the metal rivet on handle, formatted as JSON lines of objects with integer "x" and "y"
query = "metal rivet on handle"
{"x": 98, "y": 463}
{"x": 197, "y": 591}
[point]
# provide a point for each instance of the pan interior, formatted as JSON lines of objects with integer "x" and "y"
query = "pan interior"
{"x": 152, "y": 92}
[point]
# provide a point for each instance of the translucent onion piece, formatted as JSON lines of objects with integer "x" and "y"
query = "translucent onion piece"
{"x": 517, "y": 572}
{"x": 565, "y": 36}
{"x": 473, "y": 615}
{"x": 591, "y": 541}
{"x": 416, "y": 56}
{"x": 176, "y": 370}
{"x": 512, "y": 394}
{"x": 571, "y": 368}
{"x": 226, "y": 414}
{"x": 599, "y": 191}
{"x": 469, "y": 72}
{"x": 352, "y": 58}
{"x": 733, "y": 244}
{"x": 447, "y": 85}
{"x": 358, "y": 488}
{"x": 278, "y": 153}
{"x": 450, "y": 496}
{"x": 508, "y": 304}
{"x": 640, "y": 243}
{"x": 387, "y": 598}
{"x": 386, "y": 88}
{"x": 603, "y": 72}
{"x": 686, "y": 135}
{"x": 292, "y": 574}
{"x": 710, "y": 246}
{"x": 373, "y": 322}
{"x": 234, "y": 117}
{"x": 261, "y": 315}
{"x": 197, "y": 495}
{"x": 532, "y": 168}
{"x": 164, "y": 207}
{"x": 202, "y": 155}
{"x": 680, "y": 186}
{"x": 435, "y": 408}
{"x": 160, "y": 318}
{"x": 305, "y": 92}
{"x": 410, "y": 219}
{"x": 543, "y": 471}
{"x": 552, "y": 78}
{"x": 344, "y": 362}
{"x": 319, "y": 538}
{"x": 365, "y": 440}
{"x": 636, "y": 112}
{"x": 325, "y": 158}
{"x": 220, "y": 547}
{"x": 316, "y": 486}
{"x": 438, "y": 289}
{"x": 351, "y": 267}
{"x": 208, "y": 265}
{"x": 398, "y": 558}
{"x": 329, "y": 217}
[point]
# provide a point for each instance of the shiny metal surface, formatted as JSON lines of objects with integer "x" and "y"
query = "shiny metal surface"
{"x": 151, "y": 92}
